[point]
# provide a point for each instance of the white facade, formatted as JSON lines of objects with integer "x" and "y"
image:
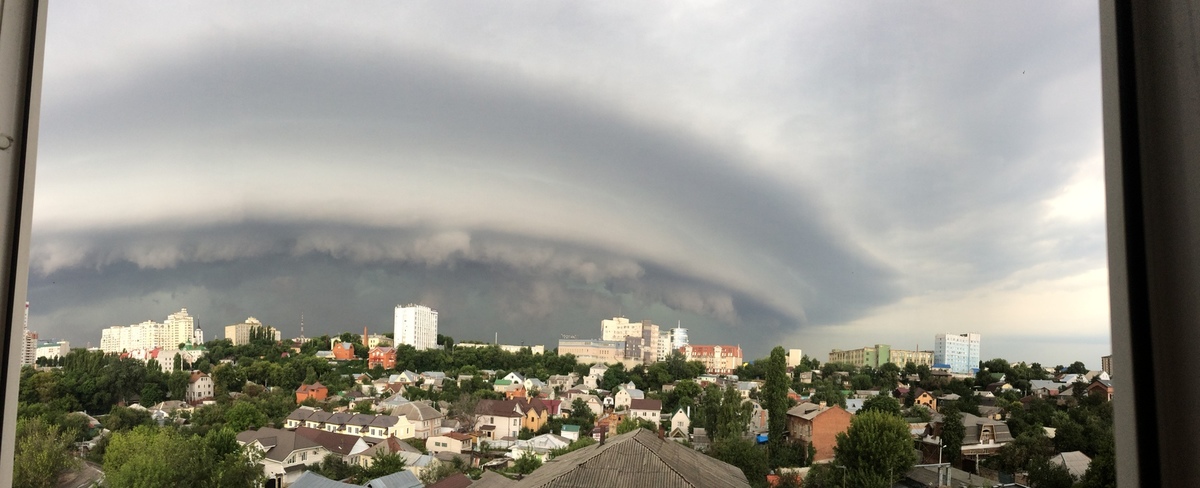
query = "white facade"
{"x": 177, "y": 329}
{"x": 793, "y": 357}
{"x": 239, "y": 334}
{"x": 619, "y": 328}
{"x": 53, "y": 350}
{"x": 960, "y": 351}
{"x": 416, "y": 325}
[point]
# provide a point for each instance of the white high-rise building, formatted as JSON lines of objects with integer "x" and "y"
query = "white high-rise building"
{"x": 959, "y": 351}
{"x": 645, "y": 336}
{"x": 239, "y": 334}
{"x": 177, "y": 329}
{"x": 29, "y": 343}
{"x": 417, "y": 326}
{"x": 671, "y": 340}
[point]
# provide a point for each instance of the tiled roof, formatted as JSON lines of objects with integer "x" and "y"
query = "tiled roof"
{"x": 340, "y": 444}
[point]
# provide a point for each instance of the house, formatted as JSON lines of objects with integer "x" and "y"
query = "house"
{"x": 451, "y": 442}
{"x": 1101, "y": 388}
{"x": 626, "y": 394}
{"x": 700, "y": 439}
{"x": 422, "y": 416}
{"x": 1046, "y": 388}
{"x": 381, "y": 356}
{"x": 200, "y": 387}
{"x": 532, "y": 384}
{"x": 570, "y": 432}
{"x": 982, "y": 437}
{"x": 924, "y": 398}
{"x": 646, "y": 409}
{"x": 284, "y": 453}
{"x": 316, "y": 391}
{"x": 660, "y": 463}
{"x": 539, "y": 446}
{"x": 597, "y": 370}
{"x": 681, "y": 420}
{"x": 818, "y": 425}
{"x": 326, "y": 355}
{"x": 391, "y": 445}
{"x": 758, "y": 417}
{"x": 561, "y": 381}
{"x": 499, "y": 418}
{"x": 514, "y": 377}
{"x": 509, "y": 388}
{"x": 343, "y": 351}
{"x": 1076, "y": 462}
{"x": 536, "y": 413}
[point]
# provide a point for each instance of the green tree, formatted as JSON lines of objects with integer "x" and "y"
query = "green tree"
{"x": 733, "y": 415}
{"x": 776, "y": 402}
{"x": 882, "y": 403}
{"x": 122, "y": 418}
{"x": 43, "y": 452}
{"x": 243, "y": 415}
{"x": 953, "y": 432}
{"x": 527, "y": 463}
{"x": 381, "y": 465}
{"x": 876, "y": 451}
{"x": 742, "y": 452}
{"x": 1043, "y": 474}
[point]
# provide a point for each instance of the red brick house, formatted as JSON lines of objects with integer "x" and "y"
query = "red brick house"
{"x": 315, "y": 391}
{"x": 383, "y": 356}
{"x": 818, "y": 425}
{"x": 343, "y": 351}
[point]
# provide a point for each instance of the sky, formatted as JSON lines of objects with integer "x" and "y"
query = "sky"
{"x": 810, "y": 175}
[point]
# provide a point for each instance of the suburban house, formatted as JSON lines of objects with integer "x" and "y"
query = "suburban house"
{"x": 316, "y": 391}
{"x": 561, "y": 381}
{"x": 536, "y": 413}
{"x": 200, "y": 387}
{"x": 1101, "y": 388}
{"x": 381, "y": 356}
{"x": 625, "y": 394}
{"x": 450, "y": 442}
{"x": 357, "y": 424}
{"x": 660, "y": 463}
{"x": 343, "y": 351}
{"x": 680, "y": 420}
{"x": 922, "y": 397}
{"x": 499, "y": 418}
{"x": 570, "y": 432}
{"x": 646, "y": 410}
{"x": 422, "y": 416}
{"x": 285, "y": 455}
{"x": 983, "y": 437}
{"x": 818, "y": 426}
{"x": 539, "y": 446}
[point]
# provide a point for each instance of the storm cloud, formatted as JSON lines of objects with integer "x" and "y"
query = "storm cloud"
{"x": 753, "y": 172}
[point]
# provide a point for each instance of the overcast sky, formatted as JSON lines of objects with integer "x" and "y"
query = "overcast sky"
{"x": 814, "y": 175}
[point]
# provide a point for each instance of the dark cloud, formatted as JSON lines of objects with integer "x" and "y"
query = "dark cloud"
{"x": 751, "y": 173}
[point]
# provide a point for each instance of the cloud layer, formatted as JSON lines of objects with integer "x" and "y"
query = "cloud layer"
{"x": 757, "y": 172}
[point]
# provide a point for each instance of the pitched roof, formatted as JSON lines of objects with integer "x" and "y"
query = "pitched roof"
{"x": 650, "y": 404}
{"x": 340, "y": 444}
{"x": 401, "y": 479}
{"x": 417, "y": 411}
{"x": 313, "y": 480}
{"x": 277, "y": 443}
{"x": 635, "y": 459}
{"x": 458, "y": 480}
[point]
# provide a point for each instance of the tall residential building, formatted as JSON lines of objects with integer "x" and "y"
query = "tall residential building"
{"x": 29, "y": 343}
{"x": 645, "y": 334}
{"x": 793, "y": 357}
{"x": 879, "y": 355}
{"x": 239, "y": 334}
{"x": 719, "y": 359}
{"x": 671, "y": 340}
{"x": 1106, "y": 364}
{"x": 958, "y": 352}
{"x": 176, "y": 330}
{"x": 417, "y": 326}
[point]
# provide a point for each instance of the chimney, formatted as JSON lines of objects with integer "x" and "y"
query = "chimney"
{"x": 603, "y": 434}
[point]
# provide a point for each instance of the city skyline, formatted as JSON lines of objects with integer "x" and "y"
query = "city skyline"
{"x": 821, "y": 177}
